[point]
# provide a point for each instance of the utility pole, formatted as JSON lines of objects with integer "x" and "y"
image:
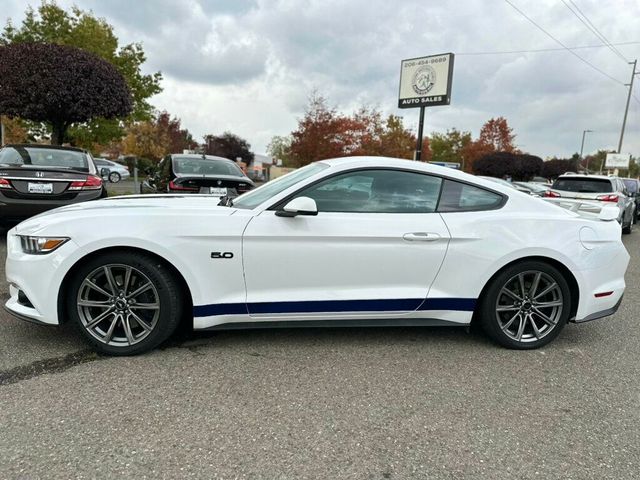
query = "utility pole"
{"x": 584, "y": 132}
{"x": 626, "y": 110}
{"x": 418, "y": 154}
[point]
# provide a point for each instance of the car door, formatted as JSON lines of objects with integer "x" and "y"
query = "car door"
{"x": 373, "y": 250}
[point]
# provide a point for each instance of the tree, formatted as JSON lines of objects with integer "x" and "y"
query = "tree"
{"x": 179, "y": 139}
{"x": 14, "y": 130}
{"x": 515, "y": 165}
{"x": 322, "y": 133}
{"x": 557, "y": 166}
{"x": 448, "y": 147}
{"x": 81, "y": 29}
{"x": 59, "y": 85}
{"x": 146, "y": 140}
{"x": 400, "y": 142}
{"x": 228, "y": 145}
{"x": 279, "y": 148}
{"x": 497, "y": 134}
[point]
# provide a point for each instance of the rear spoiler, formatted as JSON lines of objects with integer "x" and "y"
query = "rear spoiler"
{"x": 588, "y": 208}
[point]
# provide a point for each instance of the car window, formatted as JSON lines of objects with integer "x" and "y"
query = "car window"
{"x": 462, "y": 197}
{"x": 583, "y": 185}
{"x": 44, "y": 157}
{"x": 376, "y": 191}
{"x": 632, "y": 185}
{"x": 205, "y": 166}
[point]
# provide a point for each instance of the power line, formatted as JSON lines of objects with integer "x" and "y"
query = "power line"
{"x": 602, "y": 72}
{"x": 597, "y": 32}
{"x": 538, "y": 50}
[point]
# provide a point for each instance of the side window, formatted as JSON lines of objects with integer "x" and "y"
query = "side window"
{"x": 461, "y": 197}
{"x": 376, "y": 191}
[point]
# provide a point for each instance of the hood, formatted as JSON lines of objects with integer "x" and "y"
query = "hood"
{"x": 140, "y": 206}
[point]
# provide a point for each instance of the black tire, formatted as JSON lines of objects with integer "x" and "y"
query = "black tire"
{"x": 628, "y": 228}
{"x": 114, "y": 177}
{"x": 166, "y": 293}
{"x": 493, "y": 322}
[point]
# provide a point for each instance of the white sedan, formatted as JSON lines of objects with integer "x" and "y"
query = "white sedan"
{"x": 360, "y": 241}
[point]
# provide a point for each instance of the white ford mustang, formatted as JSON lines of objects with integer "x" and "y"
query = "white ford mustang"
{"x": 359, "y": 241}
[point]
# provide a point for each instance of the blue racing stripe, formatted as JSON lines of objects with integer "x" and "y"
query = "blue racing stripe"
{"x": 332, "y": 306}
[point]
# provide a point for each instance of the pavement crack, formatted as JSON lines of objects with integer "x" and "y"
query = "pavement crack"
{"x": 46, "y": 366}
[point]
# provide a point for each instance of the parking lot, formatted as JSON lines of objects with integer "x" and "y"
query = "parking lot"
{"x": 336, "y": 403}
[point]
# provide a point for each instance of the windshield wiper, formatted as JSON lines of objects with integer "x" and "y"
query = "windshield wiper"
{"x": 225, "y": 201}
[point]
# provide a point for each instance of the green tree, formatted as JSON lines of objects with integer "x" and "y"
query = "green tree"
{"x": 78, "y": 28}
{"x": 279, "y": 148}
{"x": 448, "y": 147}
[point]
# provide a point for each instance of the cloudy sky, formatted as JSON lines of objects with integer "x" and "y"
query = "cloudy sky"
{"x": 248, "y": 66}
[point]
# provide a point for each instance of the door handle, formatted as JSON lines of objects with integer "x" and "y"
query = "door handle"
{"x": 421, "y": 237}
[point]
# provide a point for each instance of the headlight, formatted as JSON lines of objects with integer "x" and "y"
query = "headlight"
{"x": 40, "y": 245}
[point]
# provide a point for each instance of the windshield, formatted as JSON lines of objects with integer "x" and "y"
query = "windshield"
{"x": 44, "y": 157}
{"x": 205, "y": 166}
{"x": 270, "y": 189}
{"x": 583, "y": 185}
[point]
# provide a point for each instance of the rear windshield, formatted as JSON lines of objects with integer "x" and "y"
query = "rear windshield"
{"x": 205, "y": 166}
{"x": 631, "y": 184}
{"x": 44, "y": 157}
{"x": 583, "y": 185}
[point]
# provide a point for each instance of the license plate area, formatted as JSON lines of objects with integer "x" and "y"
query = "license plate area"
{"x": 40, "y": 188}
{"x": 217, "y": 191}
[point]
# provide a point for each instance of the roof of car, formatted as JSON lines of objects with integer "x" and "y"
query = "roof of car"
{"x": 49, "y": 147}
{"x": 198, "y": 156}
{"x": 584, "y": 175}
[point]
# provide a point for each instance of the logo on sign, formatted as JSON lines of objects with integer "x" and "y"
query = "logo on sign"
{"x": 423, "y": 80}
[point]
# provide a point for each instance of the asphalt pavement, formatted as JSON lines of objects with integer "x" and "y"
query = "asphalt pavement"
{"x": 398, "y": 403}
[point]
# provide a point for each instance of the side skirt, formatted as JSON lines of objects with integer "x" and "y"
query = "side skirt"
{"x": 394, "y": 322}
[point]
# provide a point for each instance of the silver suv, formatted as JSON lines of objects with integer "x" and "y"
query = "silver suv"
{"x": 597, "y": 188}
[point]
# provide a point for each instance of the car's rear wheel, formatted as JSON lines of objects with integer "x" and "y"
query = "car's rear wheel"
{"x": 114, "y": 177}
{"x": 526, "y": 305}
{"x": 628, "y": 228}
{"x": 124, "y": 303}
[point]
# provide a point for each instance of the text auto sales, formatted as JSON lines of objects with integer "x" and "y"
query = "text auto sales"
{"x": 422, "y": 100}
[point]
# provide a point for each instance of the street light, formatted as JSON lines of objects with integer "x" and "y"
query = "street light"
{"x": 584, "y": 133}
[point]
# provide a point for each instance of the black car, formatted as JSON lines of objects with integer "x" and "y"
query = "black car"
{"x": 190, "y": 173}
{"x": 633, "y": 187}
{"x": 36, "y": 178}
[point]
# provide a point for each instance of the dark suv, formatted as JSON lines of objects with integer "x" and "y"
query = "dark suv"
{"x": 36, "y": 178}
{"x": 633, "y": 187}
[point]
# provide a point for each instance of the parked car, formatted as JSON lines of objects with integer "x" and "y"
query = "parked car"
{"x": 506, "y": 183}
{"x": 542, "y": 180}
{"x": 534, "y": 188}
{"x": 633, "y": 187}
{"x": 190, "y": 173}
{"x": 36, "y": 178}
{"x": 597, "y": 188}
{"x": 114, "y": 171}
{"x": 360, "y": 241}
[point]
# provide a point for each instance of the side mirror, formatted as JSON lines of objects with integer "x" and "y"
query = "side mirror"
{"x": 299, "y": 206}
{"x": 104, "y": 172}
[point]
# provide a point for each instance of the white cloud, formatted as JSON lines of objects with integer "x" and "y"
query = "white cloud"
{"x": 248, "y": 66}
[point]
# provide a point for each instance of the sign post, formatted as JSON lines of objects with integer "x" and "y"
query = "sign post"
{"x": 425, "y": 82}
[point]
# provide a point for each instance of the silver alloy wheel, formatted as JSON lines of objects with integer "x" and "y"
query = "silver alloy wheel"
{"x": 118, "y": 305}
{"x": 529, "y": 306}
{"x": 114, "y": 177}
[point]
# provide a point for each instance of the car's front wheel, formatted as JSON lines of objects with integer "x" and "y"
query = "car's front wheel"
{"x": 124, "y": 303}
{"x": 114, "y": 177}
{"x": 526, "y": 305}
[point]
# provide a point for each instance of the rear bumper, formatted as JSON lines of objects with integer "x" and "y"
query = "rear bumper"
{"x": 14, "y": 209}
{"x": 601, "y": 314}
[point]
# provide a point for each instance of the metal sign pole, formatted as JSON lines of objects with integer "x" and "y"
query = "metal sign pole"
{"x": 419, "y": 140}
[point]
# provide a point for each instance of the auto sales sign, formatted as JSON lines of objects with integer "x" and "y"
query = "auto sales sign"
{"x": 426, "y": 81}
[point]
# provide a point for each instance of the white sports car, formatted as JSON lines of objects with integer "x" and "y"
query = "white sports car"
{"x": 359, "y": 241}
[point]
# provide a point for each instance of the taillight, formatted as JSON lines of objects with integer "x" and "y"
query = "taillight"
{"x": 4, "y": 183}
{"x": 607, "y": 198}
{"x": 91, "y": 183}
{"x": 180, "y": 188}
{"x": 243, "y": 187}
{"x": 551, "y": 194}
